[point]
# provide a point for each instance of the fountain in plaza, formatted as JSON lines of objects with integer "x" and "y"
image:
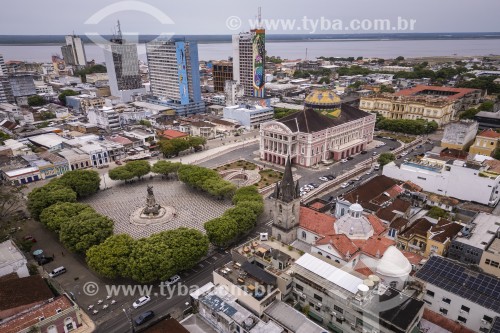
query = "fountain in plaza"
{"x": 153, "y": 213}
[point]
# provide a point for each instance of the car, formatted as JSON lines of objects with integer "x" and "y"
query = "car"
{"x": 349, "y": 158}
{"x": 44, "y": 260}
{"x": 323, "y": 178}
{"x": 29, "y": 239}
{"x": 343, "y": 160}
{"x": 392, "y": 148}
{"x": 419, "y": 146}
{"x": 374, "y": 153}
{"x": 314, "y": 185}
{"x": 364, "y": 152}
{"x": 118, "y": 162}
{"x": 344, "y": 185}
{"x": 141, "y": 301}
{"x": 301, "y": 194}
{"x": 404, "y": 153}
{"x": 350, "y": 182}
{"x": 331, "y": 198}
{"x": 57, "y": 271}
{"x": 331, "y": 177}
{"x": 357, "y": 179}
{"x": 378, "y": 146}
{"x": 369, "y": 172}
{"x": 144, "y": 317}
{"x": 398, "y": 157}
{"x": 309, "y": 186}
{"x": 172, "y": 280}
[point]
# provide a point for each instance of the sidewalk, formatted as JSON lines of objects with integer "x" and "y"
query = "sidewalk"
{"x": 88, "y": 325}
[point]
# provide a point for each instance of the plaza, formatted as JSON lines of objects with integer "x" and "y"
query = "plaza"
{"x": 192, "y": 208}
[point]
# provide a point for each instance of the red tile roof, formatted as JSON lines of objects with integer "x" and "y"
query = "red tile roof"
{"x": 173, "y": 134}
{"x": 399, "y": 223}
{"x": 23, "y": 291}
{"x": 341, "y": 243}
{"x": 400, "y": 205}
{"x": 458, "y": 92}
{"x": 317, "y": 205}
{"x": 419, "y": 227}
{"x": 377, "y": 224}
{"x": 31, "y": 318}
{"x": 413, "y": 258}
{"x": 444, "y": 231}
{"x": 489, "y": 133}
{"x": 316, "y": 222}
{"x": 363, "y": 269}
{"x": 447, "y": 324}
{"x": 376, "y": 245}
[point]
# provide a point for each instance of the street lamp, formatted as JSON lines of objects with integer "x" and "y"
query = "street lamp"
{"x": 129, "y": 320}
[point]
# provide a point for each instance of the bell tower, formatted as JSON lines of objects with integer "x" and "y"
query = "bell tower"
{"x": 286, "y": 207}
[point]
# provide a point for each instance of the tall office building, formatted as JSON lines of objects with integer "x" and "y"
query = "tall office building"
{"x": 74, "y": 51}
{"x": 122, "y": 64}
{"x": 249, "y": 58}
{"x": 5, "y": 88}
{"x": 221, "y": 71}
{"x": 174, "y": 75}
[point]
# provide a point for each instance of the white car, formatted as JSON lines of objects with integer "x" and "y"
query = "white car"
{"x": 323, "y": 179}
{"x": 369, "y": 172}
{"x": 172, "y": 280}
{"x": 404, "y": 153}
{"x": 357, "y": 179}
{"x": 343, "y": 160}
{"x": 374, "y": 153}
{"x": 141, "y": 301}
{"x": 382, "y": 144}
{"x": 344, "y": 185}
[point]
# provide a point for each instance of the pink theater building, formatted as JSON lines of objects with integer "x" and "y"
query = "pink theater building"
{"x": 325, "y": 130}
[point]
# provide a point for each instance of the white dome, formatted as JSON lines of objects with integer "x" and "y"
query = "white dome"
{"x": 356, "y": 207}
{"x": 393, "y": 264}
{"x": 354, "y": 227}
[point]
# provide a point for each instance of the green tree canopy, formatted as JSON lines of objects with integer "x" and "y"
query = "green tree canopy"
{"x": 83, "y": 182}
{"x": 222, "y": 231}
{"x": 408, "y": 126}
{"x": 145, "y": 122}
{"x": 64, "y": 93}
{"x": 437, "y": 213}
{"x": 3, "y": 137}
{"x": 468, "y": 114}
{"x": 486, "y": 106}
{"x": 197, "y": 141}
{"x": 385, "y": 158}
{"x": 111, "y": 258}
{"x": 85, "y": 230}
{"x": 45, "y": 196}
{"x": 138, "y": 168}
{"x": 36, "y": 100}
{"x": 244, "y": 216}
{"x": 151, "y": 260}
{"x": 165, "y": 167}
{"x": 173, "y": 147}
{"x": 60, "y": 213}
{"x": 120, "y": 173}
{"x": 11, "y": 198}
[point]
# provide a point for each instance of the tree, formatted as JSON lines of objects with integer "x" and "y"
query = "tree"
{"x": 83, "y": 182}
{"x": 173, "y": 147}
{"x": 246, "y": 193}
{"x": 385, "y": 158}
{"x": 400, "y": 58}
{"x": 111, "y": 258}
{"x": 138, "y": 168}
{"x": 85, "y": 230}
{"x": 145, "y": 122}
{"x": 10, "y": 200}
{"x": 64, "y": 93}
{"x": 437, "y": 213}
{"x": 282, "y": 112}
{"x": 151, "y": 260}
{"x": 197, "y": 141}
{"x": 62, "y": 212}
{"x": 47, "y": 115}
{"x": 256, "y": 206}
{"x": 165, "y": 167}
{"x": 324, "y": 80}
{"x": 120, "y": 173}
{"x": 222, "y": 231}
{"x": 36, "y": 100}
{"x": 3, "y": 137}
{"x": 468, "y": 114}
{"x": 487, "y": 106}
{"x": 45, "y": 196}
{"x": 386, "y": 89}
{"x": 244, "y": 216}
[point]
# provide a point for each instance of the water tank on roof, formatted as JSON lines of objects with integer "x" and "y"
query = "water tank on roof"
{"x": 363, "y": 289}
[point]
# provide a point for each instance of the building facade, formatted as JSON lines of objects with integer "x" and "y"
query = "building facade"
{"x": 5, "y": 88}
{"x": 249, "y": 116}
{"x": 106, "y": 118}
{"x": 315, "y": 135}
{"x": 249, "y": 53}
{"x": 486, "y": 143}
{"x": 74, "y": 51}
{"x": 459, "y": 135}
{"x": 221, "y": 71}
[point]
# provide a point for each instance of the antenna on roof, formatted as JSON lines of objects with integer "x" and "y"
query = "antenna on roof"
{"x": 357, "y": 197}
{"x": 119, "y": 32}
{"x": 259, "y": 18}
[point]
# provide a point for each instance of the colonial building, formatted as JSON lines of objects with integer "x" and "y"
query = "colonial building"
{"x": 439, "y": 104}
{"x": 486, "y": 143}
{"x": 323, "y": 131}
{"x": 459, "y": 135}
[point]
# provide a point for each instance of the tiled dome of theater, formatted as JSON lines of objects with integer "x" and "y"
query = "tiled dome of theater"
{"x": 324, "y": 101}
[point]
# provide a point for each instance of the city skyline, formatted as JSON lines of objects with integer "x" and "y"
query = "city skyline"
{"x": 178, "y": 18}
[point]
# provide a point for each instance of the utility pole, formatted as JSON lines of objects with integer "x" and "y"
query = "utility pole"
{"x": 129, "y": 320}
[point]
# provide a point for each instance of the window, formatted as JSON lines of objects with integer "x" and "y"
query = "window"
{"x": 462, "y": 319}
{"x": 337, "y": 309}
{"x": 430, "y": 293}
{"x": 465, "y": 308}
{"x": 488, "y": 319}
{"x": 494, "y": 264}
{"x": 443, "y": 311}
{"x": 299, "y": 287}
{"x": 319, "y": 298}
{"x": 446, "y": 300}
{"x": 304, "y": 234}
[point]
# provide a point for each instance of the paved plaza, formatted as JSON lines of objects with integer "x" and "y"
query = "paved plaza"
{"x": 193, "y": 208}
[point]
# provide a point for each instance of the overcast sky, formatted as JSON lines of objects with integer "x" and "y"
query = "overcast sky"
{"x": 29, "y": 17}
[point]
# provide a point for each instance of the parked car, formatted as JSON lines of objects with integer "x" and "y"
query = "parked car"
{"x": 118, "y": 162}
{"x": 343, "y": 160}
{"x": 350, "y": 158}
{"x": 369, "y": 172}
{"x": 419, "y": 146}
{"x": 344, "y": 185}
{"x": 144, "y": 317}
{"x": 57, "y": 271}
{"x": 314, "y": 185}
{"x": 141, "y": 301}
{"x": 357, "y": 179}
{"x": 44, "y": 260}
{"x": 331, "y": 177}
{"x": 172, "y": 280}
{"x": 392, "y": 148}
{"x": 323, "y": 178}
{"x": 364, "y": 152}
{"x": 331, "y": 198}
{"x": 374, "y": 153}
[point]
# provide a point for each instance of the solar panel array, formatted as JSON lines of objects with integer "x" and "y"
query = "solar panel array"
{"x": 477, "y": 287}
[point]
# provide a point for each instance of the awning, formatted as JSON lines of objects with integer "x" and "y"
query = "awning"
{"x": 334, "y": 328}
{"x": 315, "y": 317}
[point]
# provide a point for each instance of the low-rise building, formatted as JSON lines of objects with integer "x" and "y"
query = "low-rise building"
{"x": 488, "y": 119}
{"x": 459, "y": 135}
{"x": 12, "y": 260}
{"x": 77, "y": 159}
{"x": 203, "y": 129}
{"x": 456, "y": 178}
{"x": 249, "y": 116}
{"x": 49, "y": 141}
{"x": 466, "y": 296}
{"x": 490, "y": 260}
{"x": 106, "y": 118}
{"x": 486, "y": 143}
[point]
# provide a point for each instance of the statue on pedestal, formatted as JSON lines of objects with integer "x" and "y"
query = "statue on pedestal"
{"x": 152, "y": 208}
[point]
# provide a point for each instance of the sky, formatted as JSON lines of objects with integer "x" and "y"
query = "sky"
{"x": 201, "y": 17}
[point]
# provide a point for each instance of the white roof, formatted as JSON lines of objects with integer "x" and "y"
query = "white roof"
{"x": 196, "y": 294}
{"x": 9, "y": 254}
{"x": 393, "y": 263}
{"x": 18, "y": 172}
{"x": 48, "y": 140}
{"x": 331, "y": 273}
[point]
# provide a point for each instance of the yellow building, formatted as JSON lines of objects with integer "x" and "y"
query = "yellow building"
{"x": 490, "y": 260}
{"x": 459, "y": 135}
{"x": 486, "y": 143}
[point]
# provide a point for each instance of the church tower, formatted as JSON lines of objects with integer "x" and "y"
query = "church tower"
{"x": 286, "y": 207}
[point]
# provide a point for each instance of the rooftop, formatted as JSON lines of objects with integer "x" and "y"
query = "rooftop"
{"x": 319, "y": 223}
{"x": 291, "y": 319}
{"x": 48, "y": 140}
{"x": 489, "y": 133}
{"x": 23, "y": 291}
{"x": 455, "y": 93}
{"x": 9, "y": 253}
{"x": 454, "y": 277}
{"x": 484, "y": 228}
{"x": 366, "y": 192}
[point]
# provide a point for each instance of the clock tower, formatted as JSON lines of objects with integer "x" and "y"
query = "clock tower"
{"x": 286, "y": 207}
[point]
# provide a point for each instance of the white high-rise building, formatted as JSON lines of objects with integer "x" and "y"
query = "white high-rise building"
{"x": 249, "y": 53}
{"x": 122, "y": 64}
{"x": 5, "y": 87}
{"x": 74, "y": 51}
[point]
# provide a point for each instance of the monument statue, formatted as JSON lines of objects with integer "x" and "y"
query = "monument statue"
{"x": 152, "y": 208}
